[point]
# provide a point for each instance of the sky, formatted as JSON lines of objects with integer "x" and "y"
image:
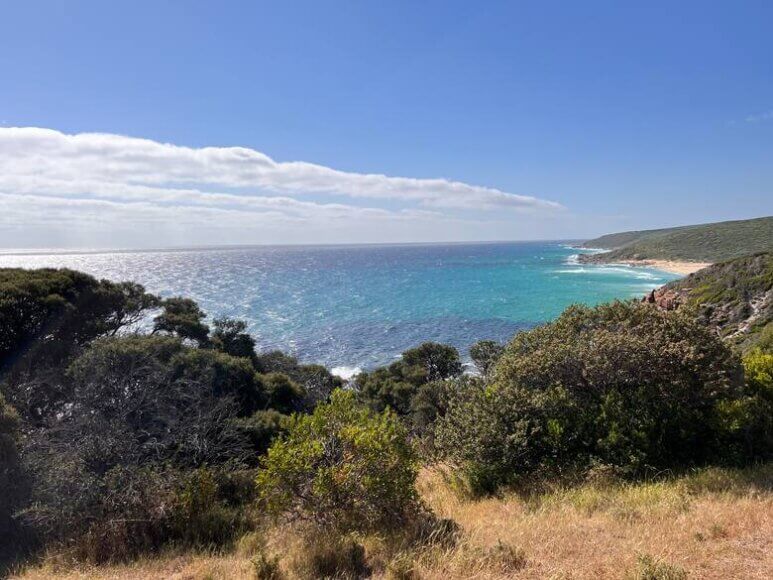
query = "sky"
{"x": 176, "y": 123}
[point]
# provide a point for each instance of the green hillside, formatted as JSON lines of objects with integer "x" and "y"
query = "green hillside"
{"x": 698, "y": 243}
{"x": 734, "y": 297}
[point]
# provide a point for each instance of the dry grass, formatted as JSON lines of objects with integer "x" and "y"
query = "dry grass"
{"x": 712, "y": 524}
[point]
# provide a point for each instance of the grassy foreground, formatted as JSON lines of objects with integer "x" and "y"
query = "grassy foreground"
{"x": 712, "y": 523}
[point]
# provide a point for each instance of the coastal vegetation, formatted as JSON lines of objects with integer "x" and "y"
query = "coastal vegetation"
{"x": 138, "y": 436}
{"x": 734, "y": 298}
{"x": 698, "y": 243}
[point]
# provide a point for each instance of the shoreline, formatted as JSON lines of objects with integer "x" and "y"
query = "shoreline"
{"x": 673, "y": 266}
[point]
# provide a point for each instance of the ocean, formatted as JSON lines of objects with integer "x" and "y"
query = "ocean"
{"x": 357, "y": 307}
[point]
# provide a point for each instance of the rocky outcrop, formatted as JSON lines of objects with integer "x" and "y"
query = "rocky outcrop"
{"x": 734, "y": 297}
{"x": 664, "y": 298}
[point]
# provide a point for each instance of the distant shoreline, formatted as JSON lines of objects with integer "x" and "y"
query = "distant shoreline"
{"x": 672, "y": 266}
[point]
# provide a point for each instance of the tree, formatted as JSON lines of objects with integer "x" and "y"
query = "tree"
{"x": 230, "y": 337}
{"x": 436, "y": 361}
{"x": 12, "y": 480}
{"x": 53, "y": 313}
{"x": 139, "y": 410}
{"x": 282, "y": 394}
{"x": 47, "y": 317}
{"x": 343, "y": 467}
{"x": 622, "y": 383}
{"x": 485, "y": 354}
{"x": 182, "y": 317}
{"x": 395, "y": 386}
{"x": 227, "y": 376}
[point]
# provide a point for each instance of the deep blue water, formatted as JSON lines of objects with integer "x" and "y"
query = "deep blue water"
{"x": 361, "y": 306}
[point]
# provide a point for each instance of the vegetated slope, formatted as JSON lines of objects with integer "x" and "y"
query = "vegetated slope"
{"x": 618, "y": 240}
{"x": 735, "y": 297}
{"x": 700, "y": 243}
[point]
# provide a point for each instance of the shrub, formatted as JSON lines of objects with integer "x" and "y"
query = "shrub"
{"x": 395, "y": 386}
{"x": 13, "y": 485}
{"x": 623, "y": 384}
{"x": 282, "y": 394}
{"x": 342, "y": 467}
{"x": 749, "y": 420}
{"x": 262, "y": 428}
{"x": 649, "y": 568}
{"x": 485, "y": 354}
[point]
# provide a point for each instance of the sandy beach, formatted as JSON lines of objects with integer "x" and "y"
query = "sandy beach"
{"x": 675, "y": 267}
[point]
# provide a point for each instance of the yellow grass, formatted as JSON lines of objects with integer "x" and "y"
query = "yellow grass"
{"x": 713, "y": 524}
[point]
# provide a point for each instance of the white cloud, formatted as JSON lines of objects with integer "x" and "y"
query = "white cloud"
{"x": 760, "y": 118}
{"x": 98, "y": 182}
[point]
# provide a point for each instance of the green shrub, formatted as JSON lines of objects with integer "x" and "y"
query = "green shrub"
{"x": 485, "y": 354}
{"x": 396, "y": 386}
{"x": 263, "y": 427}
{"x": 749, "y": 420}
{"x": 623, "y": 384}
{"x": 650, "y": 568}
{"x": 342, "y": 467}
{"x": 13, "y": 484}
{"x": 282, "y": 393}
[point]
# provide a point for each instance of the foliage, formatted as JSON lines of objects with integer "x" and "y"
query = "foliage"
{"x": 702, "y": 243}
{"x": 182, "y": 317}
{"x": 733, "y": 297}
{"x": 230, "y": 336}
{"x": 749, "y": 420}
{"x": 263, "y": 427}
{"x": 395, "y": 386}
{"x": 132, "y": 419}
{"x": 432, "y": 362}
{"x": 650, "y": 568}
{"x": 485, "y": 354}
{"x": 227, "y": 376}
{"x": 46, "y": 317}
{"x": 282, "y": 394}
{"x": 342, "y": 467}
{"x": 12, "y": 479}
{"x": 623, "y": 383}
{"x": 55, "y": 308}
{"x": 316, "y": 380}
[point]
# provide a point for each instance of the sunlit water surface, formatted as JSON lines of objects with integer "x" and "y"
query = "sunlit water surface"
{"x": 361, "y": 306}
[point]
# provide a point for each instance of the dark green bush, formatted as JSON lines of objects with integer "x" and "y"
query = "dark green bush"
{"x": 13, "y": 484}
{"x": 343, "y": 467}
{"x": 485, "y": 354}
{"x": 624, "y": 384}
{"x": 263, "y": 427}
{"x": 395, "y": 386}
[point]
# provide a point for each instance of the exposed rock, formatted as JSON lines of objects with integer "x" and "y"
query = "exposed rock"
{"x": 664, "y": 298}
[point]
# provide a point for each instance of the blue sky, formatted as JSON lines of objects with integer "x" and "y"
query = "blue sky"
{"x": 559, "y": 119}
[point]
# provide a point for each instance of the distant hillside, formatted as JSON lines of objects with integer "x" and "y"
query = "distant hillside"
{"x": 698, "y": 243}
{"x": 735, "y": 297}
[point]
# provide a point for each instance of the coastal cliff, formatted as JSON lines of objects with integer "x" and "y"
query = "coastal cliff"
{"x": 734, "y": 297}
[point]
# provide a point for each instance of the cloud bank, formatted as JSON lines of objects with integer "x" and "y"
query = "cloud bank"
{"x": 93, "y": 182}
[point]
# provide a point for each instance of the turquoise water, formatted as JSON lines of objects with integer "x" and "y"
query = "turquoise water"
{"x": 361, "y": 306}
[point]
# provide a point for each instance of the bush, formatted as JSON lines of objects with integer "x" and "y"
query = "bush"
{"x": 395, "y": 386}
{"x": 343, "y": 467}
{"x": 649, "y": 568}
{"x": 13, "y": 485}
{"x": 623, "y": 384}
{"x": 485, "y": 354}
{"x": 749, "y": 420}
{"x": 282, "y": 394}
{"x": 262, "y": 428}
